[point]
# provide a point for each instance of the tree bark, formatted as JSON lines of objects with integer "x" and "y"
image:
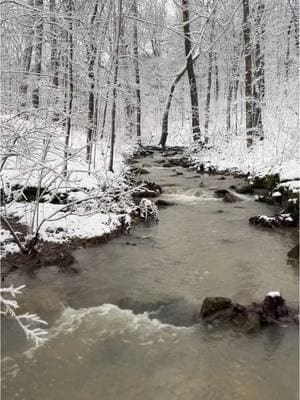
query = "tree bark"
{"x": 190, "y": 70}
{"x": 26, "y": 64}
{"x": 165, "y": 119}
{"x": 54, "y": 58}
{"x": 248, "y": 72}
{"x": 208, "y": 92}
{"x": 114, "y": 94}
{"x": 259, "y": 72}
{"x": 71, "y": 87}
{"x": 92, "y": 53}
{"x": 137, "y": 76}
{"x": 209, "y": 80}
{"x": 38, "y": 54}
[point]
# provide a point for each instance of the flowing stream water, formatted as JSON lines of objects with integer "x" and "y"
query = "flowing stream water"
{"x": 124, "y": 326}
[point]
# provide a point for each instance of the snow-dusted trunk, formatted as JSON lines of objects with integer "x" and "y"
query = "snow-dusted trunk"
{"x": 27, "y": 58}
{"x": 114, "y": 94}
{"x": 70, "y": 87}
{"x": 217, "y": 84}
{"x": 190, "y": 69}
{"x": 165, "y": 120}
{"x": 209, "y": 80}
{"x": 54, "y": 57}
{"x": 92, "y": 53}
{"x": 248, "y": 71}
{"x": 208, "y": 90}
{"x": 38, "y": 53}
{"x": 259, "y": 71}
{"x": 137, "y": 75}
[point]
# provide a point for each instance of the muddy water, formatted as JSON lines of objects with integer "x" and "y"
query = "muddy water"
{"x": 123, "y": 327}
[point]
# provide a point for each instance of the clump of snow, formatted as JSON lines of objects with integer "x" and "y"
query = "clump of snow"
{"x": 276, "y": 194}
{"x": 274, "y": 294}
{"x": 148, "y": 210}
{"x": 291, "y": 186}
{"x": 7, "y": 245}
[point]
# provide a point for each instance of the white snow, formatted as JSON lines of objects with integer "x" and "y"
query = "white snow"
{"x": 276, "y": 194}
{"x": 274, "y": 294}
{"x": 92, "y": 218}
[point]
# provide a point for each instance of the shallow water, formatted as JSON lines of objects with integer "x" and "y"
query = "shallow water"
{"x": 99, "y": 349}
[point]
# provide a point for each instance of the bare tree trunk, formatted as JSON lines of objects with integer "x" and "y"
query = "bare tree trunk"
{"x": 209, "y": 80}
{"x": 114, "y": 94}
{"x": 228, "y": 106}
{"x": 137, "y": 76}
{"x": 294, "y": 8}
{"x": 54, "y": 57}
{"x": 38, "y": 54}
{"x": 287, "y": 54}
{"x": 248, "y": 71}
{"x": 217, "y": 85}
{"x": 190, "y": 70}
{"x": 26, "y": 64}
{"x": 259, "y": 72}
{"x": 71, "y": 86}
{"x": 126, "y": 82}
{"x": 92, "y": 53}
{"x": 208, "y": 92}
{"x": 165, "y": 119}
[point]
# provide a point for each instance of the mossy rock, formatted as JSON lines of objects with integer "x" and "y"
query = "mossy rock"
{"x": 267, "y": 182}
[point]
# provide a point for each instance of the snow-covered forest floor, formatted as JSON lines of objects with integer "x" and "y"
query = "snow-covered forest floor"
{"x": 88, "y": 202}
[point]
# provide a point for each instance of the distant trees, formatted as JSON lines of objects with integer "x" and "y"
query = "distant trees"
{"x": 62, "y": 60}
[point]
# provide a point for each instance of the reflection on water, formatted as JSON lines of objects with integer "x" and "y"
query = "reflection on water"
{"x": 201, "y": 247}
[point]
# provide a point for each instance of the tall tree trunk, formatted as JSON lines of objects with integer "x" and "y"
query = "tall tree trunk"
{"x": 248, "y": 71}
{"x": 190, "y": 70}
{"x": 209, "y": 79}
{"x": 259, "y": 72}
{"x": 92, "y": 53}
{"x": 126, "y": 82}
{"x": 38, "y": 54}
{"x": 165, "y": 119}
{"x": 71, "y": 86}
{"x": 137, "y": 75}
{"x": 26, "y": 63}
{"x": 217, "y": 85}
{"x": 54, "y": 57}
{"x": 228, "y": 105}
{"x": 208, "y": 91}
{"x": 114, "y": 94}
{"x": 295, "y": 18}
{"x": 287, "y": 54}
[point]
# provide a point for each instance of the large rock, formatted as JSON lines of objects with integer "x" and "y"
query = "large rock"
{"x": 164, "y": 203}
{"x": 212, "y": 305}
{"x": 267, "y": 182}
{"x": 273, "y": 308}
{"x": 231, "y": 198}
{"x": 221, "y": 192}
{"x": 243, "y": 189}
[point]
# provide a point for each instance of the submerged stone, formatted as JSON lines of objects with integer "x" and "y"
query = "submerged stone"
{"x": 213, "y": 304}
{"x": 294, "y": 252}
{"x": 231, "y": 198}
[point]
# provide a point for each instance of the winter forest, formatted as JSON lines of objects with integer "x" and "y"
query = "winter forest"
{"x": 171, "y": 127}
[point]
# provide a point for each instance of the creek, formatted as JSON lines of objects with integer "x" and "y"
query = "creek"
{"x": 124, "y": 327}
